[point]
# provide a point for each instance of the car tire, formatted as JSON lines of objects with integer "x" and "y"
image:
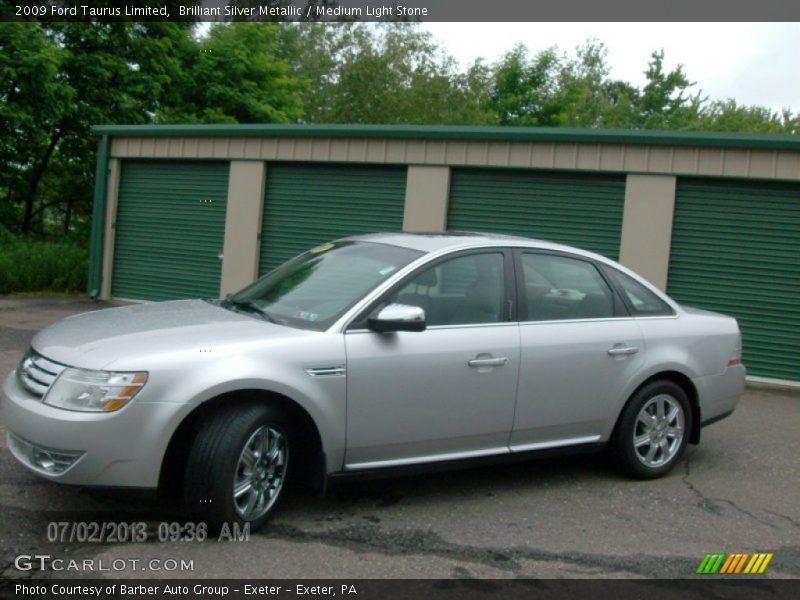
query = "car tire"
{"x": 653, "y": 430}
{"x": 238, "y": 466}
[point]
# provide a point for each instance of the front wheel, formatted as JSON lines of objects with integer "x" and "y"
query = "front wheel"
{"x": 238, "y": 466}
{"x": 654, "y": 430}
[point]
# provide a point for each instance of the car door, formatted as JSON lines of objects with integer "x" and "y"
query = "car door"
{"x": 444, "y": 393}
{"x": 579, "y": 348}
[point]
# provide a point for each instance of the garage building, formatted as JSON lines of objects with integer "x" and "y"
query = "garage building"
{"x": 714, "y": 219}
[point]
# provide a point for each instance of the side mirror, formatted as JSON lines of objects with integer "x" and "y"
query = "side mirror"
{"x": 398, "y": 317}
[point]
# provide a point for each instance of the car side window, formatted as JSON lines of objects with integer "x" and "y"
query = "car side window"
{"x": 560, "y": 288}
{"x": 641, "y": 301}
{"x": 463, "y": 290}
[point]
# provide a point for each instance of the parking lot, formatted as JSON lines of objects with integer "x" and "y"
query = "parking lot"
{"x": 737, "y": 491}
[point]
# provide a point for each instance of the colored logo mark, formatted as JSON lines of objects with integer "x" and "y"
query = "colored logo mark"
{"x": 733, "y": 563}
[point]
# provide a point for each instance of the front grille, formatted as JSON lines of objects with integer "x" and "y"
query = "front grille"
{"x": 37, "y": 374}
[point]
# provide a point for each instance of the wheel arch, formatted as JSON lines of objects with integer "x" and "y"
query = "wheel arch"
{"x": 680, "y": 379}
{"x": 308, "y": 440}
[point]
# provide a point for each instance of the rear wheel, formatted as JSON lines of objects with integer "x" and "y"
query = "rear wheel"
{"x": 238, "y": 466}
{"x": 654, "y": 430}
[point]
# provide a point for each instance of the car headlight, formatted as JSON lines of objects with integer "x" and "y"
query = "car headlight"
{"x": 94, "y": 391}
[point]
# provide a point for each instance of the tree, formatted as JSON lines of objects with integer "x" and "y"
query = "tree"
{"x": 524, "y": 91}
{"x": 82, "y": 74}
{"x": 236, "y": 75}
{"x": 664, "y": 103}
{"x": 622, "y": 102}
{"x": 30, "y": 66}
{"x": 395, "y": 73}
{"x": 588, "y": 97}
{"x": 120, "y": 73}
{"x": 728, "y": 115}
{"x": 57, "y": 80}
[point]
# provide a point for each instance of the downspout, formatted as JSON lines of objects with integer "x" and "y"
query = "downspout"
{"x": 98, "y": 219}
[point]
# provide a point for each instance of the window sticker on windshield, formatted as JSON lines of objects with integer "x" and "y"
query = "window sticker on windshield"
{"x": 306, "y": 316}
{"x": 322, "y": 248}
{"x": 386, "y": 270}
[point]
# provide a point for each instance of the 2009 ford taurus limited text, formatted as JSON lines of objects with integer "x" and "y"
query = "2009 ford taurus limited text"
{"x": 372, "y": 352}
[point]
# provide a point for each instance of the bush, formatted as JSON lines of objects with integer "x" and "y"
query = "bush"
{"x": 35, "y": 265}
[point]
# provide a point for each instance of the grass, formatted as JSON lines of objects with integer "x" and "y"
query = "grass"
{"x": 34, "y": 265}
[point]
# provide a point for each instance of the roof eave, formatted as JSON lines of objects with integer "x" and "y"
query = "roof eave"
{"x": 445, "y": 132}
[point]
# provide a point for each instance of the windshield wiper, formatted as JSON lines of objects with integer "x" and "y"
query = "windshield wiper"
{"x": 250, "y": 305}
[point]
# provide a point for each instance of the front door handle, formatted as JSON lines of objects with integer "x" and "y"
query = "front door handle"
{"x": 488, "y": 362}
{"x": 620, "y": 350}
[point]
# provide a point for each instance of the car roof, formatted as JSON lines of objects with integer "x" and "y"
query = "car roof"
{"x": 433, "y": 242}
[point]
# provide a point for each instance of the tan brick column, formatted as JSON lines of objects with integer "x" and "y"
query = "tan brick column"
{"x": 427, "y": 192}
{"x": 242, "y": 225}
{"x": 647, "y": 226}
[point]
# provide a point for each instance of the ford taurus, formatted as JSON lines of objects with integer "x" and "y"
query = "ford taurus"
{"x": 367, "y": 353}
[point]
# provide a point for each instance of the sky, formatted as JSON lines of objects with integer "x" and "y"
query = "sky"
{"x": 755, "y": 63}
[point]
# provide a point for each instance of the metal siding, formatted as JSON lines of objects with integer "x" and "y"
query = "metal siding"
{"x": 306, "y": 205}
{"x": 579, "y": 209}
{"x": 170, "y": 228}
{"x": 736, "y": 250}
{"x": 782, "y": 163}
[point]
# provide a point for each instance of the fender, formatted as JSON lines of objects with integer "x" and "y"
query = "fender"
{"x": 322, "y": 397}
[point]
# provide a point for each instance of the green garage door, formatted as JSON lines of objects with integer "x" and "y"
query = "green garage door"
{"x": 571, "y": 208}
{"x": 169, "y": 230}
{"x": 736, "y": 250}
{"x": 306, "y": 205}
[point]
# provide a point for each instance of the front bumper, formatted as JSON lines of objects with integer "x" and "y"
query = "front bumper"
{"x": 120, "y": 449}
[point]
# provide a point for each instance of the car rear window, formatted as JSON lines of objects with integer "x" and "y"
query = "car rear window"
{"x": 640, "y": 300}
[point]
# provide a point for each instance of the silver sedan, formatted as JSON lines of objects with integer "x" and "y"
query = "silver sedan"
{"x": 373, "y": 352}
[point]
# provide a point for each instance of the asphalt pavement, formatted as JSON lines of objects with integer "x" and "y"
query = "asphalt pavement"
{"x": 570, "y": 517}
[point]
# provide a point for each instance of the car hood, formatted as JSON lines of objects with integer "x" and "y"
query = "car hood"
{"x": 96, "y": 340}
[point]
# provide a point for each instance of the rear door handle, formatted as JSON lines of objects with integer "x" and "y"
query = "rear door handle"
{"x": 488, "y": 362}
{"x": 620, "y": 350}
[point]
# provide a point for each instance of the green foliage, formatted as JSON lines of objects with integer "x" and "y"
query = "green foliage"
{"x": 235, "y": 76}
{"x": 30, "y": 68}
{"x": 30, "y": 265}
{"x": 587, "y": 97}
{"x": 395, "y": 73}
{"x": 728, "y": 115}
{"x": 524, "y": 90}
{"x": 553, "y": 89}
{"x": 663, "y": 103}
{"x": 57, "y": 80}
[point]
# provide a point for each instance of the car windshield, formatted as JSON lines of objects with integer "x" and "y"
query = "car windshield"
{"x": 314, "y": 289}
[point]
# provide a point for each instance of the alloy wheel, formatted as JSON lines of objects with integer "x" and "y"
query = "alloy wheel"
{"x": 260, "y": 473}
{"x": 658, "y": 430}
